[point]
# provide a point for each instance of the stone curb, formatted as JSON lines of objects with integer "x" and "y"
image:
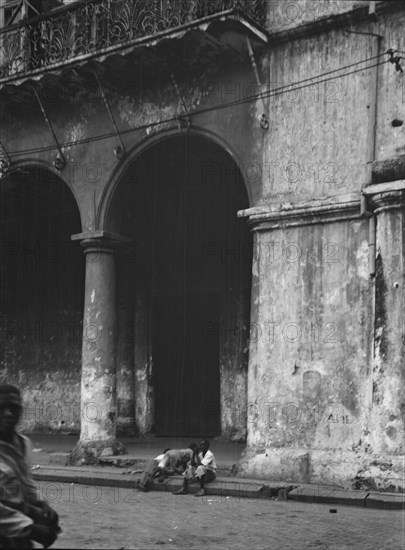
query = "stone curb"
{"x": 236, "y": 488}
{"x": 329, "y": 496}
{"x": 222, "y": 486}
{"x": 386, "y": 501}
{"x": 318, "y": 495}
{"x": 229, "y": 487}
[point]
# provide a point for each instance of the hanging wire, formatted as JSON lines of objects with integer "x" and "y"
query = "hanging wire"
{"x": 288, "y": 88}
{"x": 282, "y": 90}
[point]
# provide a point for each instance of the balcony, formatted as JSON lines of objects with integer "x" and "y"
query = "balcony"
{"x": 92, "y": 30}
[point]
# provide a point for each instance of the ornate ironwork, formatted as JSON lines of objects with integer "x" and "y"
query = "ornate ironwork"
{"x": 89, "y": 27}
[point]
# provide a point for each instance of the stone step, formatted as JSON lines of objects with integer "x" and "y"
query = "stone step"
{"x": 138, "y": 464}
{"x": 330, "y": 495}
{"x": 225, "y": 487}
{"x": 317, "y": 495}
{"x": 236, "y": 488}
{"x": 221, "y": 487}
{"x": 386, "y": 501}
{"x": 61, "y": 459}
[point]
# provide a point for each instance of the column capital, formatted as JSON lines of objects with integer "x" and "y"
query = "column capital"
{"x": 393, "y": 200}
{"x": 385, "y": 196}
{"x": 99, "y": 241}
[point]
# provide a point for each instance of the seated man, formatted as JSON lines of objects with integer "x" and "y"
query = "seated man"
{"x": 202, "y": 467}
{"x": 176, "y": 460}
{"x": 151, "y": 470}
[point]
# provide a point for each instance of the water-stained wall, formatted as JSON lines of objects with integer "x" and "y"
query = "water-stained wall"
{"x": 41, "y": 298}
{"x": 326, "y": 350}
{"x": 326, "y": 360}
{"x": 90, "y": 165}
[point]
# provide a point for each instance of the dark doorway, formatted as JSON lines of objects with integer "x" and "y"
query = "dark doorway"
{"x": 189, "y": 285}
{"x": 186, "y": 365}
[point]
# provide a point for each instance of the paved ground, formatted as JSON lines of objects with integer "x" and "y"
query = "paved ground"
{"x": 104, "y": 517}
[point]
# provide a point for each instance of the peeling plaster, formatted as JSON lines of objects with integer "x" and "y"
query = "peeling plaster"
{"x": 362, "y": 256}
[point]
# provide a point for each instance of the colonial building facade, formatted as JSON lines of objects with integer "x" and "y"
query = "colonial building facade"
{"x": 221, "y": 183}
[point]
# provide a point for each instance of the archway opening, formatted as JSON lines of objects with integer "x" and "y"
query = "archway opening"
{"x": 42, "y": 286}
{"x": 186, "y": 277}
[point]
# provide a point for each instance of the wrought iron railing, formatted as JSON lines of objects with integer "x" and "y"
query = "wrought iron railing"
{"x": 89, "y": 27}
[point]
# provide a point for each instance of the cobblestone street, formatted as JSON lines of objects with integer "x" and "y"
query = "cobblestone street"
{"x": 102, "y": 517}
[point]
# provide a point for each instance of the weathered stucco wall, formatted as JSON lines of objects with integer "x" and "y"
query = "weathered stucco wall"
{"x": 90, "y": 165}
{"x": 317, "y": 144}
{"x": 284, "y": 15}
{"x": 310, "y": 361}
{"x": 326, "y": 348}
{"x": 41, "y": 359}
{"x": 313, "y": 147}
{"x": 323, "y": 401}
{"x": 390, "y": 139}
{"x": 41, "y": 299}
{"x": 89, "y": 168}
{"x": 385, "y": 435}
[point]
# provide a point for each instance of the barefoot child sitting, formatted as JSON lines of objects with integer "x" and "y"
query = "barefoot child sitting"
{"x": 202, "y": 467}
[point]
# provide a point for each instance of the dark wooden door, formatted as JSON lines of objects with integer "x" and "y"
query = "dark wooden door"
{"x": 185, "y": 351}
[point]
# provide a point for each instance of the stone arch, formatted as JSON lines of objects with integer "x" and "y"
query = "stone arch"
{"x": 42, "y": 290}
{"x": 45, "y": 167}
{"x": 199, "y": 280}
{"x": 144, "y": 145}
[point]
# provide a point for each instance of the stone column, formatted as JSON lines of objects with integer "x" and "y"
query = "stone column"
{"x": 309, "y": 342}
{"x": 144, "y": 391}
{"x": 125, "y": 372}
{"x": 386, "y": 426}
{"x": 98, "y": 386}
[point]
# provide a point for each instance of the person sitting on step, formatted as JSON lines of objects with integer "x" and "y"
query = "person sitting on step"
{"x": 175, "y": 461}
{"x": 151, "y": 471}
{"x": 202, "y": 467}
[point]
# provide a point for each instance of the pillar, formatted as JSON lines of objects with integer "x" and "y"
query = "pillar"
{"x": 310, "y": 343}
{"x": 125, "y": 372}
{"x": 98, "y": 382}
{"x": 144, "y": 391}
{"x": 386, "y": 426}
{"x": 125, "y": 265}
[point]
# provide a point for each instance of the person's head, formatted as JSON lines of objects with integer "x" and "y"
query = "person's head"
{"x": 193, "y": 447}
{"x": 10, "y": 409}
{"x": 204, "y": 445}
{"x": 167, "y": 449}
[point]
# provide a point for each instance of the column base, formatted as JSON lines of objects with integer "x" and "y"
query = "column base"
{"x": 236, "y": 435}
{"x": 88, "y": 452}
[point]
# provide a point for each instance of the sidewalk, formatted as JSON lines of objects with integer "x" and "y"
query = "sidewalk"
{"x": 51, "y": 451}
{"x": 145, "y": 448}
